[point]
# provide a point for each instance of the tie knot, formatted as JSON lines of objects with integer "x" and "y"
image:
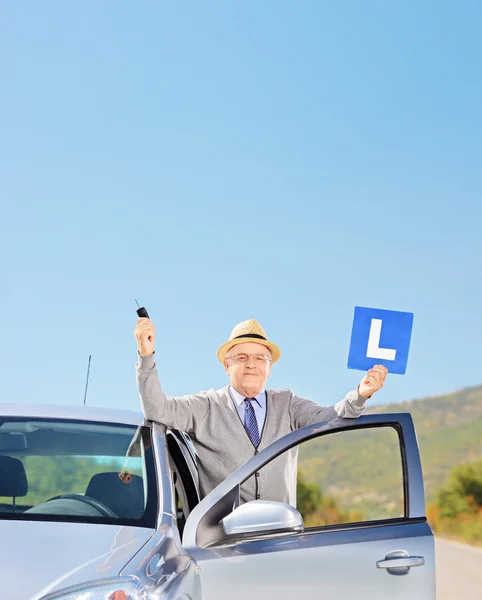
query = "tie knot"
{"x": 250, "y": 400}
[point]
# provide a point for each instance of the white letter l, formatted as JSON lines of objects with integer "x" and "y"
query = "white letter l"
{"x": 373, "y": 348}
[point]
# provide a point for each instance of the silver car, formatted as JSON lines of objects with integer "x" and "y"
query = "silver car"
{"x": 97, "y": 504}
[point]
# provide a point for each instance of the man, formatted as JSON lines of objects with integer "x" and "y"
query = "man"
{"x": 230, "y": 425}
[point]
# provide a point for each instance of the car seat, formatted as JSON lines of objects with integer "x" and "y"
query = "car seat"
{"x": 125, "y": 499}
{"x": 13, "y": 479}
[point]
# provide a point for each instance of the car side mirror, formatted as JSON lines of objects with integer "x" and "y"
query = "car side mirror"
{"x": 262, "y": 516}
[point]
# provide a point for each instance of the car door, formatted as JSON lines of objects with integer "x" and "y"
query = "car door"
{"x": 364, "y": 535}
{"x": 185, "y": 481}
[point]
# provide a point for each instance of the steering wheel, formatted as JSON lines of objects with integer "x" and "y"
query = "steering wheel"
{"x": 102, "y": 508}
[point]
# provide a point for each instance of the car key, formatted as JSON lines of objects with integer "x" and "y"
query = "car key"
{"x": 142, "y": 312}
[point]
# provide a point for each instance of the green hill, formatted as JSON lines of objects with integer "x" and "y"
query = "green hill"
{"x": 361, "y": 469}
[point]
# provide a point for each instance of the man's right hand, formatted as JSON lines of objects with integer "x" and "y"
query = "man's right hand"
{"x": 144, "y": 334}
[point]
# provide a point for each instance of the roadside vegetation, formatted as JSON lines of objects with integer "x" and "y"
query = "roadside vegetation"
{"x": 457, "y": 510}
{"x": 455, "y": 513}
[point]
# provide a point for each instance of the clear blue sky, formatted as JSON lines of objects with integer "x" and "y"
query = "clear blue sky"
{"x": 284, "y": 161}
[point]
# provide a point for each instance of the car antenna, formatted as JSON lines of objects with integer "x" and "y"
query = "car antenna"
{"x": 87, "y": 380}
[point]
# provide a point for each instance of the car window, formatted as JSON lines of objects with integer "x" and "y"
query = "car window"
{"x": 71, "y": 470}
{"x": 353, "y": 476}
{"x": 186, "y": 495}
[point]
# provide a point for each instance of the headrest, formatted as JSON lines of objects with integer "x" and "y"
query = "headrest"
{"x": 125, "y": 499}
{"x": 13, "y": 480}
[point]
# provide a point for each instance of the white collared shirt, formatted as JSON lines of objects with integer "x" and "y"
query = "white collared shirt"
{"x": 259, "y": 406}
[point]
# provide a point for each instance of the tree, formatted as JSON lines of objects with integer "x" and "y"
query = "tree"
{"x": 308, "y": 496}
{"x": 463, "y": 493}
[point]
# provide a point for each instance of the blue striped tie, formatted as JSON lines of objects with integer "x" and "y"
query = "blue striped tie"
{"x": 250, "y": 423}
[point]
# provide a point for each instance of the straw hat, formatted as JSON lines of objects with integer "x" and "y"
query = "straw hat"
{"x": 248, "y": 331}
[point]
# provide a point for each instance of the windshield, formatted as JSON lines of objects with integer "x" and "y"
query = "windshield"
{"x": 61, "y": 470}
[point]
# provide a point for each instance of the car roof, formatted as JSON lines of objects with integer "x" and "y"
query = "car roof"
{"x": 68, "y": 411}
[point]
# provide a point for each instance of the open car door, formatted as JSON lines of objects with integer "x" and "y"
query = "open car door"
{"x": 355, "y": 540}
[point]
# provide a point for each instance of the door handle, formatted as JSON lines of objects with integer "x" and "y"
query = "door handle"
{"x": 408, "y": 561}
{"x": 400, "y": 562}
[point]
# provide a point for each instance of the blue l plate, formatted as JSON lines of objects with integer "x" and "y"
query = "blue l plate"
{"x": 380, "y": 337}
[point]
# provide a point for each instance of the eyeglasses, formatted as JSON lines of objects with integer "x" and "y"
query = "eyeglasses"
{"x": 243, "y": 358}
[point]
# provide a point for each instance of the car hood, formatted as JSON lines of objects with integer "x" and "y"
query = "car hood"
{"x": 38, "y": 557}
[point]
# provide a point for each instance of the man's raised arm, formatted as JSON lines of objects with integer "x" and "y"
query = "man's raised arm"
{"x": 305, "y": 412}
{"x": 183, "y": 412}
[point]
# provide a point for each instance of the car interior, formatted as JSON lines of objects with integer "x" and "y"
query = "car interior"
{"x": 104, "y": 490}
{"x": 106, "y": 493}
{"x": 48, "y": 453}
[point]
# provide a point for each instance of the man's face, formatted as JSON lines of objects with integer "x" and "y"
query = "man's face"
{"x": 248, "y": 377}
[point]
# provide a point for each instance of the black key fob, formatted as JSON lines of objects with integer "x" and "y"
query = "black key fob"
{"x": 142, "y": 312}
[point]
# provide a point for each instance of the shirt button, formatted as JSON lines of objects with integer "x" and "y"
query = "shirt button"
{"x": 258, "y": 496}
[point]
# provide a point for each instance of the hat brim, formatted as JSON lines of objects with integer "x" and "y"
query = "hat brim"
{"x": 224, "y": 348}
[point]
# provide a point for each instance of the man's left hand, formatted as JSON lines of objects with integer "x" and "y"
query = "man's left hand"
{"x": 373, "y": 381}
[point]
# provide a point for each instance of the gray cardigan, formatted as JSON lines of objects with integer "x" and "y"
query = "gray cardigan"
{"x": 220, "y": 439}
